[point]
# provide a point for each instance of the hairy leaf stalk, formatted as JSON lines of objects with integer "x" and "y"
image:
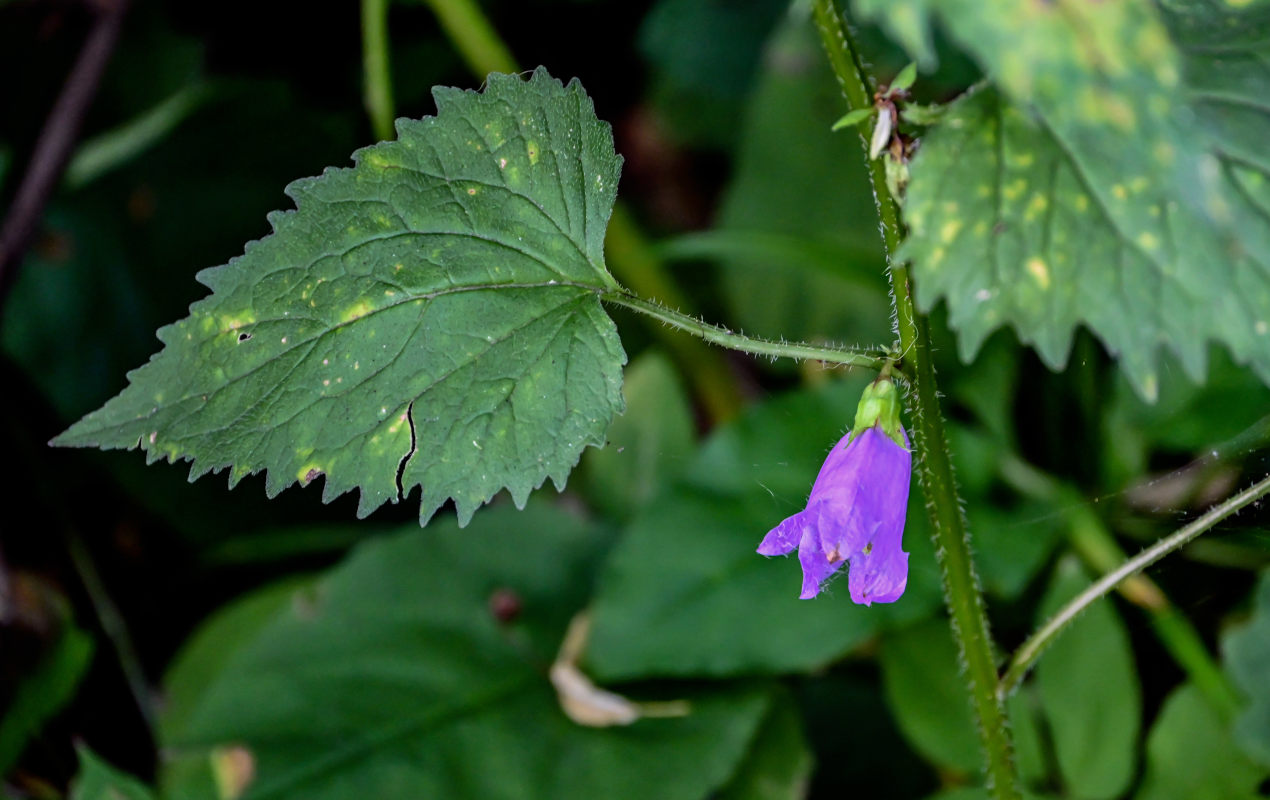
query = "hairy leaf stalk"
{"x": 934, "y": 464}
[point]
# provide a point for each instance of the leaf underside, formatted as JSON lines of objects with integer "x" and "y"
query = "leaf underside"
{"x": 429, "y": 317}
{"x": 1118, "y": 179}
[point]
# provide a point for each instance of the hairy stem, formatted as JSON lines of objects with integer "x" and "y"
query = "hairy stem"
{"x": 377, "y": 74}
{"x": 1031, "y": 650}
{"x": 876, "y": 360}
{"x": 934, "y": 464}
{"x": 1096, "y": 546}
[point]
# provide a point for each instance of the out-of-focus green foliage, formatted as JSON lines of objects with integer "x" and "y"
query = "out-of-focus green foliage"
{"x": 97, "y": 780}
{"x": 49, "y": 688}
{"x": 1247, "y": 652}
{"x": 1089, "y": 692}
{"x": 346, "y": 688}
{"x": 647, "y": 446}
{"x": 1191, "y": 755}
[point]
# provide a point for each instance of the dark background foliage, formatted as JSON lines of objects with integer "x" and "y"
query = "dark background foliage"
{"x": 763, "y": 217}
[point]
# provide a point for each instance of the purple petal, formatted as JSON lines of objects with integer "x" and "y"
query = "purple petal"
{"x": 815, "y": 566}
{"x": 868, "y": 495}
{"x": 878, "y": 576}
{"x": 835, "y": 464}
{"x": 784, "y": 537}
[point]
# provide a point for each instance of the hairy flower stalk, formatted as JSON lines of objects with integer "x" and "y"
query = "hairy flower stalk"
{"x": 856, "y": 509}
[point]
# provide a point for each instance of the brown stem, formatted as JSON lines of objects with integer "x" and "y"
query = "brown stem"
{"x": 53, "y": 148}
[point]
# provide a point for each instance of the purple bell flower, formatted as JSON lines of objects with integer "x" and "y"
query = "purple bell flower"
{"x": 855, "y": 514}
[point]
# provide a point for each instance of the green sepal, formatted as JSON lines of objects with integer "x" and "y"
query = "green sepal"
{"x": 880, "y": 405}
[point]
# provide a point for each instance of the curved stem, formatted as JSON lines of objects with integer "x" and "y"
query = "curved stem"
{"x": 934, "y": 463}
{"x": 1094, "y": 543}
{"x": 378, "y": 76}
{"x": 736, "y": 341}
{"x": 472, "y": 35}
{"x": 1031, "y": 650}
{"x": 57, "y": 137}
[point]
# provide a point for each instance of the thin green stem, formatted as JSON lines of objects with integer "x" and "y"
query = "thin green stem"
{"x": 1031, "y": 650}
{"x": 934, "y": 463}
{"x": 378, "y": 75}
{"x": 476, "y": 40}
{"x": 641, "y": 269}
{"x": 723, "y": 337}
{"x": 1097, "y": 547}
{"x": 113, "y": 625}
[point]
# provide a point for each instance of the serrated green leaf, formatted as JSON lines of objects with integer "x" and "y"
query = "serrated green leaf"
{"x": 852, "y": 118}
{"x": 392, "y": 677}
{"x": 1190, "y": 755}
{"x": 1089, "y": 691}
{"x": 427, "y": 318}
{"x": 1005, "y": 229}
{"x": 1246, "y": 652}
{"x": 1114, "y": 189}
{"x": 98, "y": 780}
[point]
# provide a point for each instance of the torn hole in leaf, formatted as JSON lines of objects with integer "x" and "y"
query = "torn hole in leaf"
{"x": 401, "y": 465}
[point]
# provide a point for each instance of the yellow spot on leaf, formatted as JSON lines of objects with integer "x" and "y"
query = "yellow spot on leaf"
{"x": 1036, "y": 205}
{"x": 356, "y": 311}
{"x": 1039, "y": 271}
{"x": 949, "y": 231}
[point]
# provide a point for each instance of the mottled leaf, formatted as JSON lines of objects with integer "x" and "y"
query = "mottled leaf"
{"x": 1113, "y": 188}
{"x": 429, "y": 318}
